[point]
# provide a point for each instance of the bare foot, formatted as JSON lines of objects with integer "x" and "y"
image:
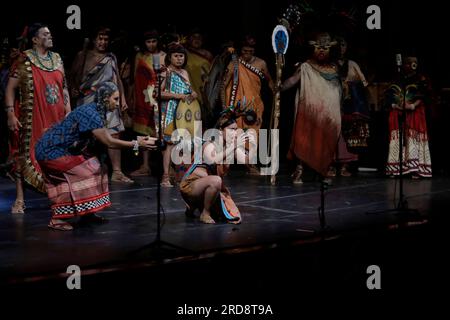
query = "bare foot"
{"x": 165, "y": 181}
{"x": 253, "y": 170}
{"x": 206, "y": 218}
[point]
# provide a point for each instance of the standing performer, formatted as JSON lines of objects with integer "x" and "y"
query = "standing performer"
{"x": 416, "y": 153}
{"x": 76, "y": 182}
{"x": 145, "y": 84}
{"x": 242, "y": 85}
{"x": 44, "y": 101}
{"x": 90, "y": 70}
{"x": 355, "y": 118}
{"x": 179, "y": 107}
{"x": 251, "y": 70}
{"x": 317, "y": 125}
{"x": 198, "y": 63}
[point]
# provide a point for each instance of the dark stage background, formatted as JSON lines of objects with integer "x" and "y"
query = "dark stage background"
{"x": 420, "y": 28}
{"x": 403, "y": 25}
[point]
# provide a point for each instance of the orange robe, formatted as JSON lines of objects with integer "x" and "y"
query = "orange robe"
{"x": 248, "y": 92}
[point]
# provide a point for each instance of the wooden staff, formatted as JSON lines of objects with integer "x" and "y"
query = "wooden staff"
{"x": 280, "y": 42}
{"x": 275, "y": 119}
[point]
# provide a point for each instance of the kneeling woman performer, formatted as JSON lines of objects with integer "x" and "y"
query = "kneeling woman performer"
{"x": 76, "y": 183}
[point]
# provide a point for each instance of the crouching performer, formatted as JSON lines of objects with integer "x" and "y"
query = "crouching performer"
{"x": 202, "y": 186}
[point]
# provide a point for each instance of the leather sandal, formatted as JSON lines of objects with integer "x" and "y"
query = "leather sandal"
{"x": 60, "y": 225}
{"x": 18, "y": 207}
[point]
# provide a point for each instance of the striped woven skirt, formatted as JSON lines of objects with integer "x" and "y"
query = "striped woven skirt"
{"x": 75, "y": 186}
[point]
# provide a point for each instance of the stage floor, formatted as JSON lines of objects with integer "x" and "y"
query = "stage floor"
{"x": 284, "y": 214}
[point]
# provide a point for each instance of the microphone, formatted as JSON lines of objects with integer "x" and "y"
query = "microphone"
{"x": 156, "y": 63}
{"x": 398, "y": 60}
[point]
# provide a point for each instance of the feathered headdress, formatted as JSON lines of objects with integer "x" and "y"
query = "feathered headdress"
{"x": 301, "y": 19}
{"x": 232, "y": 113}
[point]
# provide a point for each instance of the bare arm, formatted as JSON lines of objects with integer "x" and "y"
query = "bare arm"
{"x": 170, "y": 95}
{"x": 122, "y": 94}
{"x": 292, "y": 81}
{"x": 270, "y": 82}
{"x": 105, "y": 137}
{"x": 413, "y": 106}
{"x": 76, "y": 74}
{"x": 228, "y": 74}
{"x": 241, "y": 154}
{"x": 166, "y": 95}
{"x": 66, "y": 95}
{"x": 361, "y": 75}
{"x": 245, "y": 155}
{"x": 118, "y": 81}
{"x": 123, "y": 101}
{"x": 208, "y": 55}
{"x": 193, "y": 95}
{"x": 10, "y": 95}
{"x": 212, "y": 156}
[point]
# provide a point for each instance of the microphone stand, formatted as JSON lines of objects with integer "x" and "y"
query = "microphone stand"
{"x": 157, "y": 246}
{"x": 401, "y": 209}
{"x": 402, "y": 206}
{"x": 323, "y": 226}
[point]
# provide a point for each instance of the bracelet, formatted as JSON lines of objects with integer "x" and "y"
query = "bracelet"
{"x": 135, "y": 147}
{"x": 9, "y": 109}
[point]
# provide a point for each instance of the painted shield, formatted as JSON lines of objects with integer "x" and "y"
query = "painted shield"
{"x": 186, "y": 114}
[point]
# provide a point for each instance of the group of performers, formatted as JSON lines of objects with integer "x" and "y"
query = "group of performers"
{"x": 57, "y": 126}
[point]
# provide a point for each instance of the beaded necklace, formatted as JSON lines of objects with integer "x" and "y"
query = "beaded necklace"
{"x": 48, "y": 58}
